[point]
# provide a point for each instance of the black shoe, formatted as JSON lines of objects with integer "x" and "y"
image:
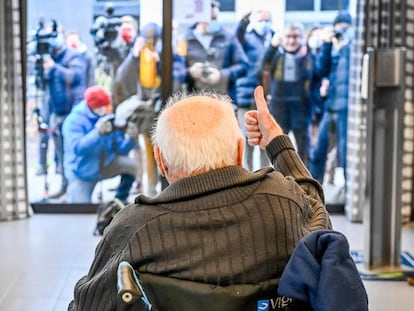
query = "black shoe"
{"x": 58, "y": 194}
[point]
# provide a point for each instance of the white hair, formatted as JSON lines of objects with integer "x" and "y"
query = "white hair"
{"x": 183, "y": 143}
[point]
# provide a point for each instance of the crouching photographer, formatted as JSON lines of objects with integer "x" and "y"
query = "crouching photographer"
{"x": 95, "y": 149}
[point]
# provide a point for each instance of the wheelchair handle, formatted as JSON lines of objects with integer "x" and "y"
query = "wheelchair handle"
{"x": 129, "y": 287}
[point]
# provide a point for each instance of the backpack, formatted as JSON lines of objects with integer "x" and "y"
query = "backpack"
{"x": 105, "y": 213}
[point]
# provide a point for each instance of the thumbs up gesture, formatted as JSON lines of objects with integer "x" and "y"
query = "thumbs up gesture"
{"x": 260, "y": 124}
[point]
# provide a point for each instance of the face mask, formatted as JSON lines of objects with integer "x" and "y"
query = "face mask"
{"x": 262, "y": 27}
{"x": 213, "y": 27}
{"x": 126, "y": 35}
{"x": 314, "y": 42}
{"x": 73, "y": 44}
{"x": 101, "y": 111}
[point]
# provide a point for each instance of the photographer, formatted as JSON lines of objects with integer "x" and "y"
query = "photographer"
{"x": 38, "y": 49}
{"x": 214, "y": 59}
{"x": 138, "y": 76}
{"x": 114, "y": 37}
{"x": 65, "y": 76}
{"x": 333, "y": 125}
{"x": 95, "y": 149}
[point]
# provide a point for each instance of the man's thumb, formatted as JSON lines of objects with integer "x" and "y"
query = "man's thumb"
{"x": 261, "y": 103}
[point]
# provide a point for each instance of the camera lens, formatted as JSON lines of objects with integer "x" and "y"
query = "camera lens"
{"x": 338, "y": 36}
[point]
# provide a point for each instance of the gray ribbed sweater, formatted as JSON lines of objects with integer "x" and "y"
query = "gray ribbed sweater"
{"x": 228, "y": 226}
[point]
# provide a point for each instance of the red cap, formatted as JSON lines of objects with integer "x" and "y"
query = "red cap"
{"x": 97, "y": 96}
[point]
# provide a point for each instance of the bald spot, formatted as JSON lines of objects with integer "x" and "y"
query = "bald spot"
{"x": 195, "y": 116}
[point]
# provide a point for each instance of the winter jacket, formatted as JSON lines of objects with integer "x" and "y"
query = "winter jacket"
{"x": 254, "y": 45}
{"x": 85, "y": 151}
{"x": 224, "y": 53}
{"x": 66, "y": 81}
{"x": 295, "y": 94}
{"x": 338, "y": 93}
{"x": 322, "y": 273}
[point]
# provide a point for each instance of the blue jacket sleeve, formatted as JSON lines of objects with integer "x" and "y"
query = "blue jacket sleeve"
{"x": 123, "y": 143}
{"x": 322, "y": 272}
{"x": 72, "y": 74}
{"x": 235, "y": 62}
{"x": 322, "y": 61}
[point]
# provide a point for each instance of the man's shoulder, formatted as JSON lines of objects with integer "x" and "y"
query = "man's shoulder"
{"x": 277, "y": 185}
{"x": 138, "y": 214}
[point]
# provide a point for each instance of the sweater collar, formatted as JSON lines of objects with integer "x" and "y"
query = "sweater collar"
{"x": 206, "y": 190}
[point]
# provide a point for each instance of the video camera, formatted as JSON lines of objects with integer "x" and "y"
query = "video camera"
{"x": 42, "y": 37}
{"x": 41, "y": 49}
{"x": 105, "y": 31}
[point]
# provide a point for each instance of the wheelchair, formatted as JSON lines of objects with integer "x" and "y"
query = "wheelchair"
{"x": 142, "y": 292}
{"x": 320, "y": 275}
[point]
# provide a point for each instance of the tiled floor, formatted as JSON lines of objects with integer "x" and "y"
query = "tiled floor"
{"x": 43, "y": 256}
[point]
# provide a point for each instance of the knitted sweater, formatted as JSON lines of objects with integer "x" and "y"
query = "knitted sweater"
{"x": 228, "y": 226}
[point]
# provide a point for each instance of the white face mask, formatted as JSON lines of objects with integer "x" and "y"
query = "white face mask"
{"x": 262, "y": 27}
{"x": 314, "y": 42}
{"x": 101, "y": 111}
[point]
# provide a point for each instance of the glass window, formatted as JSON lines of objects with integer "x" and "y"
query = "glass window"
{"x": 117, "y": 0}
{"x": 334, "y": 5}
{"x": 227, "y": 5}
{"x": 299, "y": 5}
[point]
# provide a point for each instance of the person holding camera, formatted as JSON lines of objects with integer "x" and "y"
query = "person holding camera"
{"x": 138, "y": 79}
{"x": 95, "y": 149}
{"x": 65, "y": 76}
{"x": 333, "y": 125}
{"x": 215, "y": 59}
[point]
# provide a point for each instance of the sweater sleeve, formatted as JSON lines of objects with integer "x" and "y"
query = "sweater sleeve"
{"x": 94, "y": 291}
{"x": 285, "y": 159}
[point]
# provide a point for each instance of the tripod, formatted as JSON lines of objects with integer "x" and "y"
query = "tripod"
{"x": 40, "y": 110}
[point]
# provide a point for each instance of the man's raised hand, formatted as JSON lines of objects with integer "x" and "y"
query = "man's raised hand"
{"x": 261, "y": 126}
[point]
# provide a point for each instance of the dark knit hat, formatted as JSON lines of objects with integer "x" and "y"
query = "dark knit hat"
{"x": 215, "y": 3}
{"x": 343, "y": 17}
{"x": 97, "y": 96}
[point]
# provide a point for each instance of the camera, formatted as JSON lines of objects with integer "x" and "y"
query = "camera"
{"x": 209, "y": 62}
{"x": 105, "y": 31}
{"x": 42, "y": 38}
{"x": 40, "y": 49}
{"x": 339, "y": 35}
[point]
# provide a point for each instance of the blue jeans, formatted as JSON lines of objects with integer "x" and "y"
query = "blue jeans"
{"x": 332, "y": 125}
{"x": 80, "y": 191}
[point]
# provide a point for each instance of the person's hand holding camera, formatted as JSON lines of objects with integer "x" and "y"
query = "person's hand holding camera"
{"x": 196, "y": 70}
{"x": 211, "y": 75}
{"x": 327, "y": 34}
{"x": 132, "y": 130}
{"x": 105, "y": 125}
{"x": 48, "y": 63}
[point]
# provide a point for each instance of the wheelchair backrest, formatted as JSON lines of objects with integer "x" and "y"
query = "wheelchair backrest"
{"x": 158, "y": 293}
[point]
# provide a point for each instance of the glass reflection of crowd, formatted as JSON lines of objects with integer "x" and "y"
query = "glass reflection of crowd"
{"x": 305, "y": 74}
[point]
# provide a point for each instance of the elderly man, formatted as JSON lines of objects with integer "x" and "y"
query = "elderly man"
{"x": 288, "y": 69}
{"x": 216, "y": 223}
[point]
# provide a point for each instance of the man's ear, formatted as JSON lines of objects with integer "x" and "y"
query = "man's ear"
{"x": 160, "y": 160}
{"x": 240, "y": 150}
